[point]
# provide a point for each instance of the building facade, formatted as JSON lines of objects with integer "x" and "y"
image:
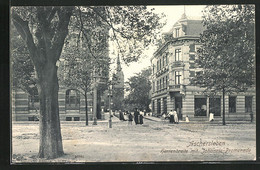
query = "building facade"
{"x": 173, "y": 67}
{"x": 71, "y": 102}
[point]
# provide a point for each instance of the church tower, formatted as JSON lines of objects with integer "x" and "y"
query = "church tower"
{"x": 118, "y": 89}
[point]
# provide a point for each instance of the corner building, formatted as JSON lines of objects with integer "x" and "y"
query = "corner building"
{"x": 173, "y": 67}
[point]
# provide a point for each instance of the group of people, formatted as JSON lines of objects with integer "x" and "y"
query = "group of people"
{"x": 173, "y": 117}
{"x": 137, "y": 117}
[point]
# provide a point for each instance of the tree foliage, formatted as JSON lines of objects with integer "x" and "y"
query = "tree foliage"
{"x": 227, "y": 54}
{"x": 139, "y": 87}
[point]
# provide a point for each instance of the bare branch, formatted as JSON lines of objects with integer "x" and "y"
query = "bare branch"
{"x": 86, "y": 36}
{"x": 52, "y": 14}
{"x": 23, "y": 29}
{"x": 61, "y": 31}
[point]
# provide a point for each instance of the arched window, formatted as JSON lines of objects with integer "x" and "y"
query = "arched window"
{"x": 72, "y": 99}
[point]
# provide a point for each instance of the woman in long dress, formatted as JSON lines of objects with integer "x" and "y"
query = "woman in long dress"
{"x": 175, "y": 117}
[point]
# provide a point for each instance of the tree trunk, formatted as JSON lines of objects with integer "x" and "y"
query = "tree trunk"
{"x": 44, "y": 55}
{"x": 86, "y": 107}
{"x": 223, "y": 116}
{"x": 50, "y": 132}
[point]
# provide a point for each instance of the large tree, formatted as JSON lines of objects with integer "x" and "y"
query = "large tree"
{"x": 227, "y": 55}
{"x": 44, "y": 30}
{"x": 139, "y": 87}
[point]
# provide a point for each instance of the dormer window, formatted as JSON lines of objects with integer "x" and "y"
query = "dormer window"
{"x": 177, "y": 32}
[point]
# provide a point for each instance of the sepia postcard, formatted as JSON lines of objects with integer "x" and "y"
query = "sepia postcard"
{"x": 172, "y": 83}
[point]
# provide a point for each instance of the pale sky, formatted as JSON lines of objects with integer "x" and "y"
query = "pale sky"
{"x": 173, "y": 14}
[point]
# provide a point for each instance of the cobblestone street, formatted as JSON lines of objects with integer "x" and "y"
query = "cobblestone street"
{"x": 155, "y": 140}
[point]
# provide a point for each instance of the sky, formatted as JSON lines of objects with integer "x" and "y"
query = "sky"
{"x": 173, "y": 14}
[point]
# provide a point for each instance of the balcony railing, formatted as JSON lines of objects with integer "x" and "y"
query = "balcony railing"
{"x": 175, "y": 87}
{"x": 177, "y": 64}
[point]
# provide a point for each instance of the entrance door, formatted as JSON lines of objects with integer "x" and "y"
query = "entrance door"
{"x": 159, "y": 106}
{"x": 215, "y": 106}
{"x": 165, "y": 105}
{"x": 178, "y": 106}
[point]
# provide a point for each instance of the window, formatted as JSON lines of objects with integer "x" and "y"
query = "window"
{"x": 163, "y": 83}
{"x": 160, "y": 84}
{"x": 153, "y": 107}
{"x": 200, "y": 106}
{"x": 72, "y": 99}
{"x": 153, "y": 68}
{"x": 166, "y": 59}
{"x": 192, "y": 57}
{"x": 153, "y": 87}
{"x": 177, "y": 32}
{"x": 248, "y": 103}
{"x": 192, "y": 47}
{"x": 192, "y": 73}
{"x": 163, "y": 61}
{"x": 158, "y": 65}
{"x": 165, "y": 105}
{"x": 177, "y": 54}
{"x": 232, "y": 104}
{"x": 166, "y": 81}
{"x": 157, "y": 85}
{"x": 177, "y": 77}
{"x": 192, "y": 65}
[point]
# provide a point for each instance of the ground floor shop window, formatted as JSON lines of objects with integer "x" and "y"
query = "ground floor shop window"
{"x": 200, "y": 106}
{"x": 248, "y": 104}
{"x": 165, "y": 105}
{"x": 232, "y": 104}
{"x": 153, "y": 107}
{"x": 72, "y": 99}
{"x": 159, "y": 106}
{"x": 215, "y": 106}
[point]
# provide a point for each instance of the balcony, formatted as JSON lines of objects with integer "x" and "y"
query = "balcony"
{"x": 177, "y": 64}
{"x": 175, "y": 88}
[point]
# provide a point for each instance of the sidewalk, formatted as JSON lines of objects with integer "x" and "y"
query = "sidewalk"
{"x": 157, "y": 119}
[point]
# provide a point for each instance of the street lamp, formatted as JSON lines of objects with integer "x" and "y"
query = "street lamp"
{"x": 95, "y": 101}
{"x": 97, "y": 79}
{"x": 109, "y": 106}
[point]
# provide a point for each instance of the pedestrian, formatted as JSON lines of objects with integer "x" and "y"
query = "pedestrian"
{"x": 136, "y": 114}
{"x": 251, "y": 116}
{"x": 176, "y": 120}
{"x": 171, "y": 116}
{"x": 130, "y": 118}
{"x": 144, "y": 112}
{"x": 120, "y": 115}
{"x": 187, "y": 119}
{"x": 141, "y": 118}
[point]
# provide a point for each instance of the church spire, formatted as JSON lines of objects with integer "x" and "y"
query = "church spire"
{"x": 184, "y": 13}
{"x": 118, "y": 68}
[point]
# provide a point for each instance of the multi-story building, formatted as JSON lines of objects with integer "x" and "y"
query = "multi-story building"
{"x": 71, "y": 102}
{"x": 173, "y": 67}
